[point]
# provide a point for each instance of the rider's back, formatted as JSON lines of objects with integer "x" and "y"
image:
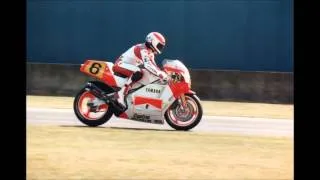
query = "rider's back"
{"x": 134, "y": 55}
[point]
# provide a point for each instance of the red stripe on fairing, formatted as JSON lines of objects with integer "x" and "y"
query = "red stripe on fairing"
{"x": 158, "y": 36}
{"x": 151, "y": 101}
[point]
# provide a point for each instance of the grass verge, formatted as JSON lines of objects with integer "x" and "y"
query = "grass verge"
{"x": 55, "y": 152}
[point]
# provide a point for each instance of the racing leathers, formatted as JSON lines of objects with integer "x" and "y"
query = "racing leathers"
{"x": 129, "y": 64}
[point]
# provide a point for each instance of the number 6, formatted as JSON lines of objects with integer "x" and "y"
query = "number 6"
{"x": 95, "y": 68}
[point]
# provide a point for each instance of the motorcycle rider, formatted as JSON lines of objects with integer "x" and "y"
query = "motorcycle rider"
{"x": 139, "y": 56}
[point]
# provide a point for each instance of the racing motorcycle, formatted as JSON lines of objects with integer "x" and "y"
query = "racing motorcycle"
{"x": 150, "y": 100}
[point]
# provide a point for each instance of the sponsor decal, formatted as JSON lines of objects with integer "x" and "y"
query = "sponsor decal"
{"x": 146, "y": 119}
{"x": 151, "y": 90}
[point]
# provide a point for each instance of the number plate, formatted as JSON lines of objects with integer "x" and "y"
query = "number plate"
{"x": 95, "y": 68}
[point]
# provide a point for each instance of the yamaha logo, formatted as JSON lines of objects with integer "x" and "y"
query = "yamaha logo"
{"x": 152, "y": 90}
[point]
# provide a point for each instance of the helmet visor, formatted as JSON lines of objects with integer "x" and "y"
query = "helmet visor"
{"x": 160, "y": 46}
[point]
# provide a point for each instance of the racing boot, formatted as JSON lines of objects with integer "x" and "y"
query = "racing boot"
{"x": 120, "y": 95}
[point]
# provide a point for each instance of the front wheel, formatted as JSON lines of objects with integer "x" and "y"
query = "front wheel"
{"x": 185, "y": 119}
{"x": 87, "y": 112}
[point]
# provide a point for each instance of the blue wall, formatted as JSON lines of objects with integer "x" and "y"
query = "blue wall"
{"x": 251, "y": 35}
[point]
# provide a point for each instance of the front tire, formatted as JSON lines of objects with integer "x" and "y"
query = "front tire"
{"x": 189, "y": 118}
{"x": 84, "y": 116}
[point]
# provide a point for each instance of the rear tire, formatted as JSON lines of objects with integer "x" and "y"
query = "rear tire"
{"x": 90, "y": 122}
{"x": 170, "y": 119}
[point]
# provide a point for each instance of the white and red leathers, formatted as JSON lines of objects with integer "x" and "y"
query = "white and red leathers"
{"x": 129, "y": 63}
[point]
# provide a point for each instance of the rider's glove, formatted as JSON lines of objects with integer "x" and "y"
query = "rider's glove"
{"x": 164, "y": 77}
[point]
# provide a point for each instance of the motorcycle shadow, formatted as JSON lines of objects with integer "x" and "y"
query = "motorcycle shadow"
{"x": 119, "y": 128}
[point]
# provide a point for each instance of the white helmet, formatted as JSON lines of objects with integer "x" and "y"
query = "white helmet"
{"x": 156, "y": 41}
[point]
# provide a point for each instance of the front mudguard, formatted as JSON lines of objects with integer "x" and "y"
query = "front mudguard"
{"x": 191, "y": 92}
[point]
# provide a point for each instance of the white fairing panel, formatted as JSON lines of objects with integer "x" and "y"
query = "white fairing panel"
{"x": 145, "y": 101}
{"x": 150, "y": 101}
{"x": 120, "y": 81}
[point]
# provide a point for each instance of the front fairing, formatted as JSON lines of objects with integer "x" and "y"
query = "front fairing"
{"x": 178, "y": 66}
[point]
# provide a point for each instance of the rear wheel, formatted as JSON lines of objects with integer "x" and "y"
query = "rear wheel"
{"x": 185, "y": 119}
{"x": 87, "y": 112}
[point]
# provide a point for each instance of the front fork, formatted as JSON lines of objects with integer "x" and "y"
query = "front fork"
{"x": 183, "y": 101}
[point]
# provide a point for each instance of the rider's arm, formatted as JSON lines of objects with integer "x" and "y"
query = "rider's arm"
{"x": 150, "y": 65}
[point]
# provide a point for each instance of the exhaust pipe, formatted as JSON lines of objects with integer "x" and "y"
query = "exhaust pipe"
{"x": 96, "y": 91}
{"x": 99, "y": 93}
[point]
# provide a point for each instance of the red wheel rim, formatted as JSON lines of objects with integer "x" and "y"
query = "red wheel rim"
{"x": 84, "y": 109}
{"x": 188, "y": 117}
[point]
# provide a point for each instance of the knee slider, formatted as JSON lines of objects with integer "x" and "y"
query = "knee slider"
{"x": 136, "y": 76}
